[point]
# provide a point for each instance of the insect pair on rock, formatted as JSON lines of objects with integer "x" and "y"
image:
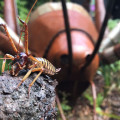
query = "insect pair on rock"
{"x": 24, "y": 60}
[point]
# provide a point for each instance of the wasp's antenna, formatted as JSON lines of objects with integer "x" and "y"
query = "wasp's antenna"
{"x": 26, "y": 22}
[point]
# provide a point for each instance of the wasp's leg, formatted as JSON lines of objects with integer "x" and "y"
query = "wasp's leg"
{"x": 94, "y": 99}
{"x": 26, "y": 35}
{"x": 4, "y": 61}
{"x": 10, "y": 39}
{"x": 30, "y": 85}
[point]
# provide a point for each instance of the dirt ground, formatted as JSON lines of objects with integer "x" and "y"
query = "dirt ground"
{"x": 110, "y": 106}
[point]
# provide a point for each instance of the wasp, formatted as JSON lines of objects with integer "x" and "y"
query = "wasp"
{"x": 24, "y": 60}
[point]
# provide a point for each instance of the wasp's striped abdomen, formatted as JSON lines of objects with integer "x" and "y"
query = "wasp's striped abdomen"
{"x": 47, "y": 66}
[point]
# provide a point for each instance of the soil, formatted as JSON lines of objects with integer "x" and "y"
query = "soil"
{"x": 83, "y": 110}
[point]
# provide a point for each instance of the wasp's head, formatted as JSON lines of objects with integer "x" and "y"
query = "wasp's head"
{"x": 18, "y": 63}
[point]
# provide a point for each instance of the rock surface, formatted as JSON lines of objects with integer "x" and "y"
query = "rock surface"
{"x": 15, "y": 104}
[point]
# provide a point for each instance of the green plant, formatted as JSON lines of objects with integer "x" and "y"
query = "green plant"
{"x": 112, "y": 116}
{"x": 22, "y": 9}
{"x": 108, "y": 72}
{"x": 99, "y": 98}
{"x": 64, "y": 102}
{"x": 1, "y": 8}
{"x": 65, "y": 105}
{"x": 112, "y": 23}
{"x": 6, "y": 66}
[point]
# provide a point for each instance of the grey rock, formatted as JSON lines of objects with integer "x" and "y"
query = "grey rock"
{"x": 15, "y": 104}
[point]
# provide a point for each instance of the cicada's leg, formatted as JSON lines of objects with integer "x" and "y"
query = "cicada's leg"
{"x": 4, "y": 61}
{"x": 10, "y": 39}
{"x": 26, "y": 35}
{"x": 30, "y": 85}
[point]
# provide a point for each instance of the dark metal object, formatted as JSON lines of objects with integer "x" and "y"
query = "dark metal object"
{"x": 62, "y": 31}
{"x": 107, "y": 16}
{"x": 67, "y": 27}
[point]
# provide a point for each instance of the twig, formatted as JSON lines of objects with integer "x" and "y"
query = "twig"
{"x": 60, "y": 108}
